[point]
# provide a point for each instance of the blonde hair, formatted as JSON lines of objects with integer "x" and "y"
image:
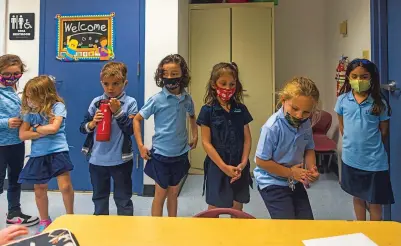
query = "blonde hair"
{"x": 11, "y": 60}
{"x": 41, "y": 90}
{"x": 116, "y": 70}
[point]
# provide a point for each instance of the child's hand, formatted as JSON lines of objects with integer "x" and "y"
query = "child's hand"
{"x": 145, "y": 153}
{"x": 7, "y": 235}
{"x": 240, "y": 167}
{"x": 313, "y": 174}
{"x": 96, "y": 119}
{"x": 299, "y": 173}
{"x": 115, "y": 105}
{"x": 231, "y": 171}
{"x": 193, "y": 143}
{"x": 14, "y": 122}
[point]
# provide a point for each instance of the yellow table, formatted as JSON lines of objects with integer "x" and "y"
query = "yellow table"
{"x": 146, "y": 231}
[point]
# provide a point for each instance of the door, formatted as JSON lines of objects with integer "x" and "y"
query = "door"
{"x": 252, "y": 50}
{"x": 78, "y": 82}
{"x": 386, "y": 51}
{"x": 209, "y": 45}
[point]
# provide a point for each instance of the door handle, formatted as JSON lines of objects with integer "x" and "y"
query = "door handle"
{"x": 391, "y": 86}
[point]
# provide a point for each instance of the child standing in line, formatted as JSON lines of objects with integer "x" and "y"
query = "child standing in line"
{"x": 44, "y": 114}
{"x": 12, "y": 149}
{"x": 285, "y": 145}
{"x": 168, "y": 159}
{"x": 114, "y": 158}
{"x": 226, "y": 139}
{"x": 363, "y": 116}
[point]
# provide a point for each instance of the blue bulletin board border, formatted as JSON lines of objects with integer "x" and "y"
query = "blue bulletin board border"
{"x": 73, "y": 52}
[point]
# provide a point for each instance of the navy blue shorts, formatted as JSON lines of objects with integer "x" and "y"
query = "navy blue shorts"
{"x": 283, "y": 203}
{"x": 373, "y": 187}
{"x": 219, "y": 192}
{"x": 167, "y": 171}
{"x": 39, "y": 170}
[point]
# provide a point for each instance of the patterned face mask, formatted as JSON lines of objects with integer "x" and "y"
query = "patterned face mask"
{"x": 172, "y": 83}
{"x": 225, "y": 94}
{"x": 295, "y": 122}
{"x": 9, "y": 80}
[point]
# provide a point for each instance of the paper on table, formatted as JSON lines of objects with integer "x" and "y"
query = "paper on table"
{"x": 357, "y": 239}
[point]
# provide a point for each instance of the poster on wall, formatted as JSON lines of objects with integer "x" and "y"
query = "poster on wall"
{"x": 22, "y": 26}
{"x": 85, "y": 37}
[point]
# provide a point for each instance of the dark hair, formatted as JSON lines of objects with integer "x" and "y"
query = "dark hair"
{"x": 378, "y": 106}
{"x": 11, "y": 60}
{"x": 179, "y": 60}
{"x": 217, "y": 71}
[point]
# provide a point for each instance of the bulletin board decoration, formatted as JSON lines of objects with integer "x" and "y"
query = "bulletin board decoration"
{"x": 85, "y": 37}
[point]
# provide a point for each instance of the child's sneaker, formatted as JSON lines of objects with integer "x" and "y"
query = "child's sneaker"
{"x": 43, "y": 224}
{"x": 18, "y": 218}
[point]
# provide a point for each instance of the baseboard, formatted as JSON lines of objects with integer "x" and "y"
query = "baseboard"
{"x": 149, "y": 190}
{"x": 27, "y": 187}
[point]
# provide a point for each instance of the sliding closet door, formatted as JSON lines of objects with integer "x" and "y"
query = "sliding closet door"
{"x": 209, "y": 44}
{"x": 252, "y": 50}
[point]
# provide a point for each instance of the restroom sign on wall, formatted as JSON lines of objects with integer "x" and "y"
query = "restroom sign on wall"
{"x": 22, "y": 26}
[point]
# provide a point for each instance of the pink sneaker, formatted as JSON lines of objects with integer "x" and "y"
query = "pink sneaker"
{"x": 43, "y": 224}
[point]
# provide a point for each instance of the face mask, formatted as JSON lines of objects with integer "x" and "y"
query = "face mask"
{"x": 31, "y": 104}
{"x": 225, "y": 94}
{"x": 295, "y": 122}
{"x": 10, "y": 81}
{"x": 172, "y": 83}
{"x": 359, "y": 85}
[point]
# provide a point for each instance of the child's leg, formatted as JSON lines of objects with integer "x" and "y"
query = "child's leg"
{"x": 172, "y": 200}
{"x": 301, "y": 202}
{"x": 100, "y": 179}
{"x": 123, "y": 188}
{"x": 360, "y": 208}
{"x": 279, "y": 202}
{"x": 15, "y": 159}
{"x": 65, "y": 186}
{"x": 42, "y": 201}
{"x": 238, "y": 206}
{"x": 158, "y": 201}
{"x": 375, "y": 212}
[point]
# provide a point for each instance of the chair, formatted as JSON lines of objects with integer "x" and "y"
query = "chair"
{"x": 323, "y": 144}
{"x": 216, "y": 212}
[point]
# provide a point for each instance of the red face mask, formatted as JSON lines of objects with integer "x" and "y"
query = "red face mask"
{"x": 225, "y": 94}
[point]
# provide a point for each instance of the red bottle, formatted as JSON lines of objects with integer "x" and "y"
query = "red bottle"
{"x": 103, "y": 130}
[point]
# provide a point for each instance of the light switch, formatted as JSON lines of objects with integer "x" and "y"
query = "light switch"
{"x": 343, "y": 28}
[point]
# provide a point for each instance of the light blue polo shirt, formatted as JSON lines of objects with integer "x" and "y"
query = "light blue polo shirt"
{"x": 53, "y": 143}
{"x": 170, "y": 112}
{"x": 362, "y": 142}
{"x": 282, "y": 143}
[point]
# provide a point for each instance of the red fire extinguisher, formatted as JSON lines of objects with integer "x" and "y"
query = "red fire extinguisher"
{"x": 103, "y": 130}
{"x": 341, "y": 72}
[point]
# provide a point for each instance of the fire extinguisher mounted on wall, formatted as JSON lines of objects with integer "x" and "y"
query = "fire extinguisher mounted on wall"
{"x": 340, "y": 72}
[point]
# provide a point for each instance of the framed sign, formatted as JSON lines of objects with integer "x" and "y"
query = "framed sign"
{"x": 22, "y": 26}
{"x": 85, "y": 37}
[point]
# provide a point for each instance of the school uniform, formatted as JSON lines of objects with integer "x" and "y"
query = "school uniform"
{"x": 227, "y": 137}
{"x": 111, "y": 159}
{"x": 169, "y": 154}
{"x": 364, "y": 172}
{"x": 285, "y": 145}
{"x": 49, "y": 156}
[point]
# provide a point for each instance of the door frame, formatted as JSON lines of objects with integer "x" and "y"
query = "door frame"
{"x": 140, "y": 70}
{"x": 378, "y": 32}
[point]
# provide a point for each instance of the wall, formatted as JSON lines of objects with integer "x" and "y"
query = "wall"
{"x": 2, "y": 26}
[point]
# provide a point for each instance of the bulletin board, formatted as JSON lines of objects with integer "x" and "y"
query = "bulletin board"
{"x": 85, "y": 37}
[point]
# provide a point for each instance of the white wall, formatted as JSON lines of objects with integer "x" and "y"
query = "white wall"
{"x": 2, "y": 26}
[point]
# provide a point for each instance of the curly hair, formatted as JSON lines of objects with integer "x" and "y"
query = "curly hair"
{"x": 179, "y": 60}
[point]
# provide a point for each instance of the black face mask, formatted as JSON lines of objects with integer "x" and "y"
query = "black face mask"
{"x": 295, "y": 122}
{"x": 172, "y": 83}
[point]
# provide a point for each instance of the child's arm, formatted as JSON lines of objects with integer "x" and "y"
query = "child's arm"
{"x": 124, "y": 119}
{"x": 230, "y": 171}
{"x": 341, "y": 124}
{"x": 51, "y": 128}
{"x": 145, "y": 153}
{"x": 26, "y": 134}
{"x": 247, "y": 147}
{"x": 194, "y": 131}
{"x": 296, "y": 172}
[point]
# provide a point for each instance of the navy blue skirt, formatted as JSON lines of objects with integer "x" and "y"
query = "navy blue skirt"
{"x": 373, "y": 187}
{"x": 41, "y": 169}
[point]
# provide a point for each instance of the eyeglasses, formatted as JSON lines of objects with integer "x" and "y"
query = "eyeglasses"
{"x": 9, "y": 75}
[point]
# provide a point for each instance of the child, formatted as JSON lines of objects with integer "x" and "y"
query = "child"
{"x": 44, "y": 114}
{"x": 226, "y": 139}
{"x": 11, "y": 233}
{"x": 363, "y": 116}
{"x": 12, "y": 149}
{"x": 285, "y": 145}
{"x": 168, "y": 160}
{"x": 114, "y": 158}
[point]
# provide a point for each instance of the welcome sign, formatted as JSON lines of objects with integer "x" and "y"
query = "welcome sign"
{"x": 85, "y": 37}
